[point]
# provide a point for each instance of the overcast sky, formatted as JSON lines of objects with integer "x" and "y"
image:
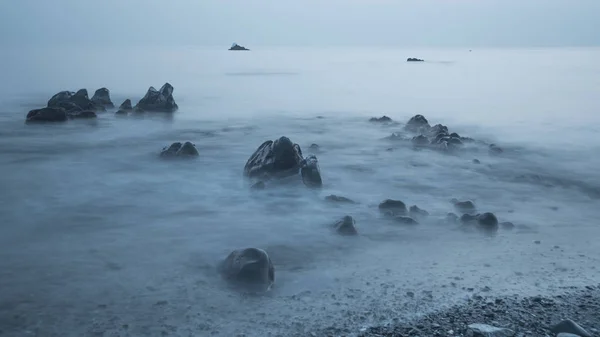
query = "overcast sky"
{"x": 408, "y": 23}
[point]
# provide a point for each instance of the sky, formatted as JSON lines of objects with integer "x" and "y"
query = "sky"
{"x": 409, "y": 23}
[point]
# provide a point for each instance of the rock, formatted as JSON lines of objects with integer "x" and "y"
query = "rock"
{"x": 437, "y": 130}
{"x": 468, "y": 218}
{"x": 125, "y": 107}
{"x": 464, "y": 206}
{"x": 86, "y": 114}
{"x": 383, "y": 119}
{"x": 340, "y": 199}
{"x": 476, "y": 161}
{"x": 69, "y": 106}
{"x": 102, "y": 98}
{"x": 279, "y": 158}
{"x": 413, "y": 59}
{"x": 415, "y": 212}
{"x": 393, "y": 207}
{"x": 568, "y": 326}
{"x": 494, "y": 149}
{"x": 79, "y": 98}
{"x": 250, "y": 268}
{"x": 487, "y": 221}
{"x": 507, "y": 225}
{"x": 346, "y": 226}
{"x": 50, "y": 114}
{"x": 180, "y": 150}
{"x": 260, "y": 185}
{"x": 420, "y": 140}
{"x": 314, "y": 147}
{"x": 484, "y": 330}
{"x": 236, "y": 46}
{"x": 406, "y": 220}
{"x": 417, "y": 124}
{"x": 451, "y": 218}
{"x": 158, "y": 100}
{"x": 310, "y": 171}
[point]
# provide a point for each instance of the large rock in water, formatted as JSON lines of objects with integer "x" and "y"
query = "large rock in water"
{"x": 158, "y": 100}
{"x": 49, "y": 114}
{"x": 250, "y": 268}
{"x": 179, "y": 150}
{"x": 73, "y": 100}
{"x": 279, "y": 158}
{"x": 311, "y": 173}
{"x": 417, "y": 124}
{"x": 102, "y": 98}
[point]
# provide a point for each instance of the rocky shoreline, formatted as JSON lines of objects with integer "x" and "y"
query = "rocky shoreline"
{"x": 574, "y": 313}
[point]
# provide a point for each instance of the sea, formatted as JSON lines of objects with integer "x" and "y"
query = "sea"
{"x": 99, "y": 237}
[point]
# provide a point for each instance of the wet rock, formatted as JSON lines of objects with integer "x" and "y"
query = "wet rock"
{"x": 339, "y": 199}
{"x": 158, "y": 100}
{"x": 250, "y": 268}
{"x": 49, "y": 114}
{"x": 125, "y": 107}
{"x": 507, "y": 225}
{"x": 383, "y": 119}
{"x": 569, "y": 326}
{"x": 468, "y": 219}
{"x": 494, "y": 149}
{"x": 346, "y": 226}
{"x": 279, "y": 158}
{"x": 311, "y": 173}
{"x": 417, "y": 124}
{"x": 466, "y": 206}
{"x": 102, "y": 98}
{"x": 85, "y": 114}
{"x": 393, "y": 207}
{"x": 476, "y": 161}
{"x": 79, "y": 98}
{"x": 420, "y": 140}
{"x": 260, "y": 185}
{"x": 451, "y": 218}
{"x": 414, "y": 59}
{"x": 179, "y": 150}
{"x": 406, "y": 220}
{"x": 437, "y": 130}
{"x": 415, "y": 212}
{"x": 487, "y": 221}
{"x": 484, "y": 330}
{"x": 236, "y": 46}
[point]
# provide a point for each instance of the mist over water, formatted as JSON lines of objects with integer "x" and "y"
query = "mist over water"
{"x": 100, "y": 236}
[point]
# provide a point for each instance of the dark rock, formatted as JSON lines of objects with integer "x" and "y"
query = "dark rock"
{"x": 126, "y": 105}
{"x": 415, "y": 212}
{"x": 507, "y": 225}
{"x": 50, "y": 114}
{"x": 476, "y": 161}
{"x": 393, "y": 207}
{"x": 437, "y": 130}
{"x": 86, "y": 114}
{"x": 310, "y": 171}
{"x": 451, "y": 218}
{"x": 158, "y": 100}
{"x": 487, "y": 221}
{"x": 420, "y": 140}
{"x": 314, "y": 147}
{"x": 454, "y": 135}
{"x": 180, "y": 150}
{"x": 250, "y": 268}
{"x": 568, "y": 326}
{"x": 279, "y": 158}
{"x": 340, "y": 199}
{"x": 68, "y": 99}
{"x": 468, "y": 218}
{"x": 417, "y": 124}
{"x": 494, "y": 149}
{"x": 464, "y": 206}
{"x": 260, "y": 185}
{"x": 69, "y": 106}
{"x": 236, "y": 46}
{"x": 413, "y": 59}
{"x": 484, "y": 330}
{"x": 102, "y": 98}
{"x": 383, "y": 119}
{"x": 406, "y": 220}
{"x": 346, "y": 226}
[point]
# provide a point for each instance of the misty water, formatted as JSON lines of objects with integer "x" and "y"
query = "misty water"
{"x": 98, "y": 237}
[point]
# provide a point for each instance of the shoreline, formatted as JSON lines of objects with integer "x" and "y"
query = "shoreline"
{"x": 523, "y": 315}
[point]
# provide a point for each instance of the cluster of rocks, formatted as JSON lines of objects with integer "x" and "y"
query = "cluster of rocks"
{"x": 414, "y": 59}
{"x": 567, "y": 315}
{"x": 67, "y": 105}
{"x": 180, "y": 150}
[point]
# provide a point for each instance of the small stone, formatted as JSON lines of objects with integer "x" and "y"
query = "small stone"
{"x": 484, "y": 330}
{"x": 476, "y": 161}
{"x": 568, "y": 326}
{"x": 537, "y": 242}
{"x": 340, "y": 199}
{"x": 410, "y": 294}
{"x": 406, "y": 220}
{"x": 507, "y": 225}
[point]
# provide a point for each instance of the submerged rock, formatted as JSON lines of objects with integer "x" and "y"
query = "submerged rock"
{"x": 339, "y": 199}
{"x": 314, "y": 147}
{"x": 415, "y": 212}
{"x": 393, "y": 207}
{"x": 311, "y": 173}
{"x": 250, "y": 268}
{"x": 180, "y": 150}
{"x": 102, "y": 98}
{"x": 451, "y": 218}
{"x": 414, "y": 59}
{"x": 464, "y": 206}
{"x": 259, "y": 185}
{"x": 507, "y": 225}
{"x": 420, "y": 140}
{"x": 487, "y": 221}
{"x": 383, "y": 119}
{"x": 158, "y": 100}
{"x": 50, "y": 114}
{"x": 406, "y": 220}
{"x": 494, "y": 149}
{"x": 346, "y": 226}
{"x": 468, "y": 218}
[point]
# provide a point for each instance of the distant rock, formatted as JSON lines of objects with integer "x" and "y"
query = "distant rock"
{"x": 420, "y": 140}
{"x": 494, "y": 149}
{"x": 569, "y": 326}
{"x": 50, "y": 114}
{"x": 236, "y": 46}
{"x": 72, "y": 101}
{"x": 417, "y": 124}
{"x": 311, "y": 173}
{"x": 179, "y": 150}
{"x": 468, "y": 219}
{"x": 507, "y": 225}
{"x": 413, "y": 59}
{"x": 466, "y": 206}
{"x": 487, "y": 221}
{"x": 125, "y": 107}
{"x": 102, "y": 98}
{"x": 393, "y": 207}
{"x": 259, "y": 185}
{"x": 406, "y": 220}
{"x": 451, "y": 218}
{"x": 415, "y": 212}
{"x": 314, "y": 147}
{"x": 484, "y": 330}
{"x": 158, "y": 100}
{"x": 476, "y": 161}
{"x": 346, "y": 226}
{"x": 249, "y": 268}
{"x": 383, "y": 119}
{"x": 339, "y": 199}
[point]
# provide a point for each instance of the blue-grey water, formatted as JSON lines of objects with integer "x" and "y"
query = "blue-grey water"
{"x": 98, "y": 237}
